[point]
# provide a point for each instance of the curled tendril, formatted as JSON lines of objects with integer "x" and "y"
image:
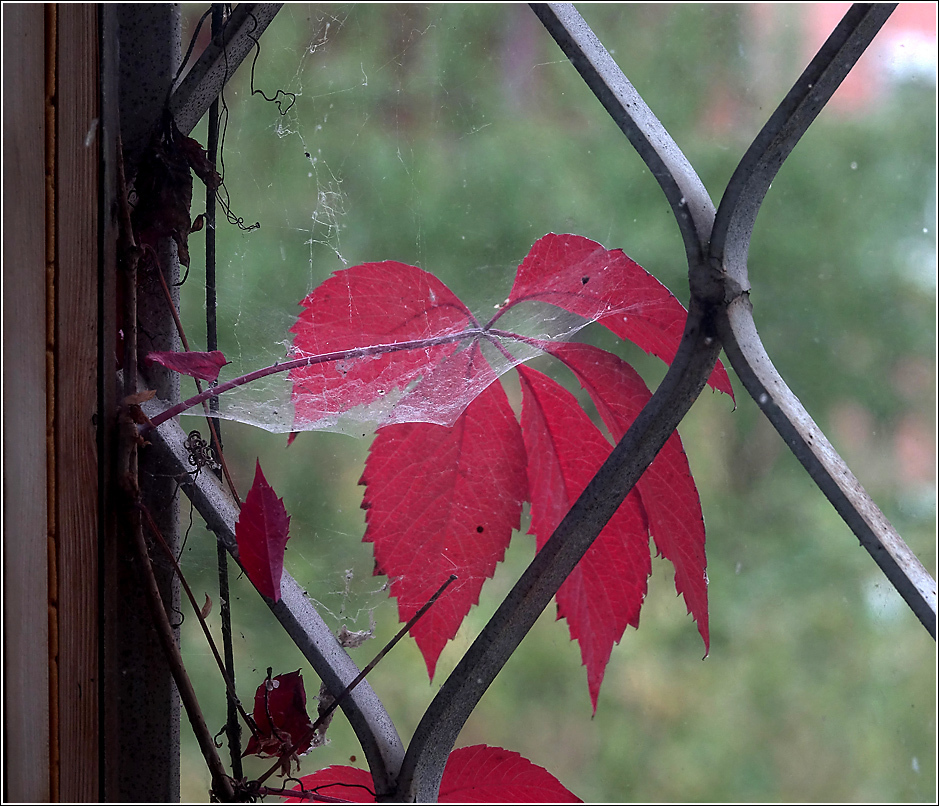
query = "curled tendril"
{"x": 281, "y": 95}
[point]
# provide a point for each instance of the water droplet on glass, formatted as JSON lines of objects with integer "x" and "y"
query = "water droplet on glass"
{"x": 764, "y": 399}
{"x": 853, "y": 166}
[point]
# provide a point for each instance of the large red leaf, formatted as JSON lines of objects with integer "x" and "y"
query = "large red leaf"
{"x": 477, "y": 774}
{"x": 262, "y": 533}
{"x": 667, "y": 489}
{"x": 368, "y": 305}
{"x": 580, "y": 276}
{"x": 281, "y": 717}
{"x": 605, "y": 591}
{"x": 444, "y": 500}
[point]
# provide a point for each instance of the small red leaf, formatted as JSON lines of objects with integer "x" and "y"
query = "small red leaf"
{"x": 605, "y": 591}
{"x": 281, "y": 716}
{"x": 368, "y": 305}
{"x": 205, "y": 366}
{"x": 262, "y": 533}
{"x": 444, "y": 500}
{"x": 667, "y": 488}
{"x": 477, "y": 774}
{"x": 580, "y": 276}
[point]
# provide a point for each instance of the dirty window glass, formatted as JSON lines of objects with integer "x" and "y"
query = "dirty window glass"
{"x": 451, "y": 137}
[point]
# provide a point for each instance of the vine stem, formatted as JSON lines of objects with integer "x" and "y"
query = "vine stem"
{"x": 201, "y": 393}
{"x": 308, "y": 361}
{"x": 205, "y": 627}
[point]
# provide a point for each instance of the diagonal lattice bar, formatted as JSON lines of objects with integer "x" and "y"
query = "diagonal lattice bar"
{"x": 218, "y": 62}
{"x": 368, "y": 718}
{"x": 681, "y": 185}
{"x": 441, "y": 724}
{"x": 730, "y": 239}
{"x": 729, "y": 247}
{"x": 725, "y": 276}
{"x": 827, "y": 469}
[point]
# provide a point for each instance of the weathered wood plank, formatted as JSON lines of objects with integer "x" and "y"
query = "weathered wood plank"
{"x": 76, "y": 393}
{"x": 25, "y": 461}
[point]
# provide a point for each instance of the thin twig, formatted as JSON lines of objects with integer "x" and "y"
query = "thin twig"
{"x": 205, "y": 627}
{"x": 221, "y": 783}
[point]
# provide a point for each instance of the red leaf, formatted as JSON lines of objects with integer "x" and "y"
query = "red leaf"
{"x": 199, "y": 365}
{"x": 580, "y": 276}
{"x": 281, "y": 716}
{"x": 262, "y": 533}
{"x": 367, "y": 305}
{"x": 446, "y": 477}
{"x": 337, "y": 781}
{"x": 667, "y": 488}
{"x": 444, "y": 500}
{"x": 483, "y": 774}
{"x": 605, "y": 591}
{"x": 477, "y": 774}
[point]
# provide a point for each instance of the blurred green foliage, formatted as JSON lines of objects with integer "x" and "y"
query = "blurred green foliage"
{"x": 452, "y": 137}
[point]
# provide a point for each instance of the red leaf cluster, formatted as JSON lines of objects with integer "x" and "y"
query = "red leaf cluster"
{"x": 477, "y": 774}
{"x": 444, "y": 493}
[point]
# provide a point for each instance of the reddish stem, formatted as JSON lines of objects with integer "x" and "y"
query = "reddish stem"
{"x": 308, "y": 361}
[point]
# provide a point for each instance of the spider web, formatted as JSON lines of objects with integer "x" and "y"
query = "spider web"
{"x": 329, "y": 156}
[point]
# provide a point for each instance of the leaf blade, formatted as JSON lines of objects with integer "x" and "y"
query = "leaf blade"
{"x": 476, "y": 774}
{"x": 202, "y": 365}
{"x": 281, "y": 717}
{"x": 669, "y": 494}
{"x": 363, "y": 306}
{"x": 444, "y": 500}
{"x": 484, "y": 774}
{"x": 262, "y": 532}
{"x": 581, "y": 276}
{"x": 605, "y": 591}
